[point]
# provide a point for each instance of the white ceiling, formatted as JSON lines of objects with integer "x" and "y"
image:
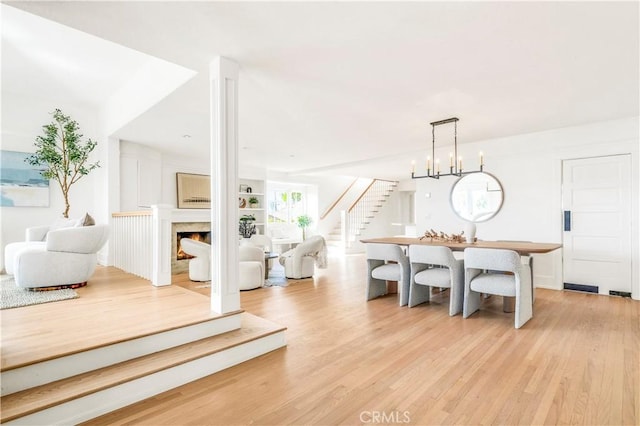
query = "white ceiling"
{"x": 350, "y": 87}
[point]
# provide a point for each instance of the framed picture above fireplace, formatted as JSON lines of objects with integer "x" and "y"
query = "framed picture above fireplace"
{"x": 194, "y": 191}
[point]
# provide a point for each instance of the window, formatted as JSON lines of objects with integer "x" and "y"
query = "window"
{"x": 286, "y": 202}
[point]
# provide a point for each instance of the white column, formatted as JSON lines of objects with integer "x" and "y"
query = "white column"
{"x": 161, "y": 274}
{"x": 225, "y": 294}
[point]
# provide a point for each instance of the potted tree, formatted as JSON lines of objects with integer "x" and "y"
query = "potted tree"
{"x": 62, "y": 153}
{"x": 303, "y": 222}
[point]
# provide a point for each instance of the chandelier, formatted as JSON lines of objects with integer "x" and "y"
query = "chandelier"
{"x": 455, "y": 161}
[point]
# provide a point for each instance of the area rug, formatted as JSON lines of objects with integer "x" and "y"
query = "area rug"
{"x": 278, "y": 279}
{"x": 12, "y": 296}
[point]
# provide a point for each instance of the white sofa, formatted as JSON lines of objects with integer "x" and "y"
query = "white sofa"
{"x": 61, "y": 257}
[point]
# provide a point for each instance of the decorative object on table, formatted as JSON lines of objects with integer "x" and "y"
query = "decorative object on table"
{"x": 303, "y": 223}
{"x": 249, "y": 190}
{"x": 441, "y": 236}
{"x": 247, "y": 228}
{"x": 254, "y": 202}
{"x": 455, "y": 161}
{"x": 476, "y": 197}
{"x": 242, "y": 202}
{"x": 12, "y": 296}
{"x": 63, "y": 155}
{"x": 21, "y": 185}
{"x": 194, "y": 191}
{"x": 470, "y": 232}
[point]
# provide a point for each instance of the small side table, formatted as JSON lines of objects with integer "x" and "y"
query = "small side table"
{"x": 268, "y": 255}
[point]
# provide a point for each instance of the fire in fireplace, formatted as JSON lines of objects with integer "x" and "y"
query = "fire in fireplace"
{"x": 198, "y": 236}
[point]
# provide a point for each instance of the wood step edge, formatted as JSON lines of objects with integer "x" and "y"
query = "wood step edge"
{"x": 117, "y": 341}
{"x": 32, "y": 400}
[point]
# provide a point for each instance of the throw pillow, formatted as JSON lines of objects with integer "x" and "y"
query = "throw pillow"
{"x": 87, "y": 220}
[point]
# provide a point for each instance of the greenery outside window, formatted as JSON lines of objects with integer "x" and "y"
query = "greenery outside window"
{"x": 286, "y": 203}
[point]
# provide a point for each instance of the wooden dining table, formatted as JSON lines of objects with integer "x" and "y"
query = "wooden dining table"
{"x": 522, "y": 247}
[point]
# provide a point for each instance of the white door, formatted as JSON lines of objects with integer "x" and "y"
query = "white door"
{"x": 596, "y": 203}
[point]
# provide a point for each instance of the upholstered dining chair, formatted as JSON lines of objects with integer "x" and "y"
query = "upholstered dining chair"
{"x": 435, "y": 266}
{"x": 387, "y": 262}
{"x": 484, "y": 273}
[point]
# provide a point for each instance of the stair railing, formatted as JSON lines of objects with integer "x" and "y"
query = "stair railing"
{"x": 335, "y": 203}
{"x": 363, "y": 210}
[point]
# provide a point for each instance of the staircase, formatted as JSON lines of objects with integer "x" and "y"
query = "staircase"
{"x": 76, "y": 387}
{"x": 360, "y": 214}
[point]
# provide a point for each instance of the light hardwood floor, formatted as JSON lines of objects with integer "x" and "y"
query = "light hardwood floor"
{"x": 354, "y": 362}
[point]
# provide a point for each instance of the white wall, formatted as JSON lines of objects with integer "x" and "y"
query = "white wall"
{"x": 148, "y": 176}
{"x": 530, "y": 170}
{"x": 22, "y": 121}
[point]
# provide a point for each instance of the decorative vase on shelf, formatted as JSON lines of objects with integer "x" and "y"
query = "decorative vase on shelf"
{"x": 470, "y": 232}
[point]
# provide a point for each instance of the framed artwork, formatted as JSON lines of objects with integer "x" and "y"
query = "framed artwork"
{"x": 243, "y": 188}
{"x": 194, "y": 191}
{"x": 21, "y": 184}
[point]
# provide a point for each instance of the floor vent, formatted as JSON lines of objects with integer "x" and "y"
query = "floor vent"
{"x": 581, "y": 287}
{"x": 619, "y": 293}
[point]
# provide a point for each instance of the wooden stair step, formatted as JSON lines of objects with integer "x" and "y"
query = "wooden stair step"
{"x": 32, "y": 400}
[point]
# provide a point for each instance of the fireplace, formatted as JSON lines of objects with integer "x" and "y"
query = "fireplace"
{"x": 200, "y": 231}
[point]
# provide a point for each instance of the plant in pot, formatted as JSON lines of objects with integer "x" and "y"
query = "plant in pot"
{"x": 303, "y": 222}
{"x": 253, "y": 202}
{"x": 247, "y": 227}
{"x": 62, "y": 153}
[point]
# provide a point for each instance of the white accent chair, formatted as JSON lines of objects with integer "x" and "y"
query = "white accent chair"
{"x": 300, "y": 261}
{"x": 485, "y": 273}
{"x": 200, "y": 265}
{"x": 66, "y": 257}
{"x": 251, "y": 272}
{"x": 387, "y": 262}
{"x": 435, "y": 266}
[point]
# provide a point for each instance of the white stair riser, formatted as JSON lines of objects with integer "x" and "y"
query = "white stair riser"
{"x": 56, "y": 369}
{"x": 105, "y": 401}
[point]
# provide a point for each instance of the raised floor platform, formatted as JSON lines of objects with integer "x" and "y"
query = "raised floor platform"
{"x": 121, "y": 341}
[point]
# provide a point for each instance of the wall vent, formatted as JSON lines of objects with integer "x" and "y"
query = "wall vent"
{"x": 581, "y": 287}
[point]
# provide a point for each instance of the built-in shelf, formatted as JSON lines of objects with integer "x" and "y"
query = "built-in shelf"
{"x": 258, "y": 191}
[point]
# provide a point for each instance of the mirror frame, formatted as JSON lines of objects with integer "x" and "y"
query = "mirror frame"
{"x": 453, "y": 187}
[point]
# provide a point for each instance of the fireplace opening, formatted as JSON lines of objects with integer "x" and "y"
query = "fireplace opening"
{"x": 198, "y": 236}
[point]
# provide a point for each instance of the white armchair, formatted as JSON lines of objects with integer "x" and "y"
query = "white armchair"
{"x": 300, "y": 261}
{"x": 251, "y": 274}
{"x": 67, "y": 257}
{"x": 200, "y": 265}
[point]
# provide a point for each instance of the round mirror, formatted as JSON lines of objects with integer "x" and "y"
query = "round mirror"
{"x": 476, "y": 197}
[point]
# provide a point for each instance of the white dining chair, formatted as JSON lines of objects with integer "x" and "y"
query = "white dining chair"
{"x": 435, "y": 266}
{"x": 387, "y": 262}
{"x": 484, "y": 273}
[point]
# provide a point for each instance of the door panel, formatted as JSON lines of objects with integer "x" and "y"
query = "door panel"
{"x": 596, "y": 193}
